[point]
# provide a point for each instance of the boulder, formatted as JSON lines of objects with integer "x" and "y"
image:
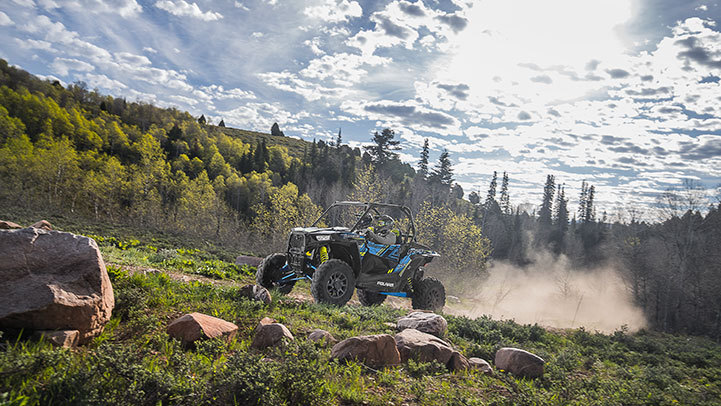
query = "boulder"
{"x": 269, "y": 335}
{"x": 322, "y": 336}
{"x": 53, "y": 280}
{"x": 195, "y": 326}
{"x": 375, "y": 350}
{"x": 9, "y": 225}
{"x": 44, "y": 224}
{"x": 481, "y": 365}
{"x": 519, "y": 362}
{"x": 246, "y": 260}
{"x": 60, "y": 338}
{"x": 458, "y": 362}
{"x": 257, "y": 293}
{"x": 430, "y": 323}
{"x": 266, "y": 320}
{"x": 424, "y": 347}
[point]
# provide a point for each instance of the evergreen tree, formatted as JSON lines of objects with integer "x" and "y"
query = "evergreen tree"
{"x": 275, "y": 130}
{"x": 549, "y": 192}
{"x": 202, "y": 120}
{"x": 590, "y": 210}
{"x": 221, "y": 123}
{"x": 474, "y": 198}
{"x": 443, "y": 172}
{"x": 338, "y": 140}
{"x": 382, "y": 152}
{"x": 491, "y": 196}
{"x": 505, "y": 201}
{"x": 561, "y": 210}
{"x": 423, "y": 163}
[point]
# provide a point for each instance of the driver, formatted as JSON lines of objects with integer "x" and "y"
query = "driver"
{"x": 383, "y": 232}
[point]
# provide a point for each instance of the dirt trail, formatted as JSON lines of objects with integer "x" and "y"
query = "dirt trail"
{"x": 301, "y": 292}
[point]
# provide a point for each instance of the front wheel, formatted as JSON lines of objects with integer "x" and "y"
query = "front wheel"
{"x": 428, "y": 294}
{"x": 368, "y": 298}
{"x": 333, "y": 283}
{"x": 270, "y": 272}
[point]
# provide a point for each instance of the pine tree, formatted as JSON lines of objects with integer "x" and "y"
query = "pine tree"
{"x": 474, "y": 198}
{"x": 275, "y": 130}
{"x": 561, "y": 210}
{"x": 549, "y": 191}
{"x": 221, "y": 123}
{"x": 582, "y": 201}
{"x": 443, "y": 172}
{"x": 590, "y": 210}
{"x": 505, "y": 201}
{"x": 423, "y": 163}
{"x": 382, "y": 151}
{"x": 202, "y": 120}
{"x": 491, "y": 196}
{"x": 338, "y": 140}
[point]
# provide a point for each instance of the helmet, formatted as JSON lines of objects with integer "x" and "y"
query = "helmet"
{"x": 385, "y": 222}
{"x": 365, "y": 221}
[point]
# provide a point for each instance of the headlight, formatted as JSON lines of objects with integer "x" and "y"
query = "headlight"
{"x": 323, "y": 237}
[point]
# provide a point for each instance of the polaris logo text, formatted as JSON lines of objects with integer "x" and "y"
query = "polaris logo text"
{"x": 387, "y": 284}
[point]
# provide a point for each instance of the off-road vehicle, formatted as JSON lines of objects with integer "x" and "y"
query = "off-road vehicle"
{"x": 338, "y": 258}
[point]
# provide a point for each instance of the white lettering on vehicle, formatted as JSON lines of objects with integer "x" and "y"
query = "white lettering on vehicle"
{"x": 388, "y": 284}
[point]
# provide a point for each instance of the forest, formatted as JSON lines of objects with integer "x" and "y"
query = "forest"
{"x": 73, "y": 151}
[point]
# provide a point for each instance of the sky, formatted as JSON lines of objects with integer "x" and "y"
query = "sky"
{"x": 625, "y": 95}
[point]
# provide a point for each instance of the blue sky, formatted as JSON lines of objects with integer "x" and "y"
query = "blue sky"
{"x": 623, "y": 94}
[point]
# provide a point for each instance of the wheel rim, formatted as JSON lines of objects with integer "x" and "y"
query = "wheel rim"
{"x": 337, "y": 285}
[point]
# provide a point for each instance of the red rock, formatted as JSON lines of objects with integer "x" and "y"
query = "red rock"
{"x": 481, "y": 365}
{"x": 323, "y": 336}
{"x": 9, "y": 225}
{"x": 519, "y": 362}
{"x": 375, "y": 350}
{"x": 53, "y": 280}
{"x": 60, "y": 338}
{"x": 44, "y": 224}
{"x": 424, "y": 347}
{"x": 269, "y": 335}
{"x": 195, "y": 326}
{"x": 430, "y": 323}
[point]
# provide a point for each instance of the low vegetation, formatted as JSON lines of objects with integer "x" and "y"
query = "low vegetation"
{"x": 134, "y": 362}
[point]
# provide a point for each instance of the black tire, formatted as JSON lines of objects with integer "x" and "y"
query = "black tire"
{"x": 428, "y": 294}
{"x": 269, "y": 274}
{"x": 368, "y": 298}
{"x": 333, "y": 282}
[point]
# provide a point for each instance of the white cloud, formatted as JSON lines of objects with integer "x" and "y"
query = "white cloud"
{"x": 103, "y": 82}
{"x": 63, "y": 66}
{"x": 48, "y": 4}
{"x": 35, "y": 44}
{"x": 150, "y": 50}
{"x": 25, "y": 3}
{"x": 4, "y": 19}
{"x": 335, "y": 11}
{"x": 182, "y": 8}
{"x": 257, "y": 34}
{"x": 124, "y": 8}
{"x": 240, "y": 5}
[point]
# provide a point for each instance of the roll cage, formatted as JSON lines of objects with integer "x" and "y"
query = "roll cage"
{"x": 408, "y": 237}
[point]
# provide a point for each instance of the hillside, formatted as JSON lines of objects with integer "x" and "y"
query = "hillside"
{"x": 296, "y": 147}
{"x": 134, "y": 362}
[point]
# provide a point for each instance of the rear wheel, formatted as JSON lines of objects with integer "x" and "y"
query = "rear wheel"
{"x": 368, "y": 298}
{"x": 269, "y": 274}
{"x": 429, "y": 294}
{"x": 333, "y": 282}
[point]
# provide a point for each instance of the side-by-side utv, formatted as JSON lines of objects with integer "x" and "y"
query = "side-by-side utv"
{"x": 342, "y": 251}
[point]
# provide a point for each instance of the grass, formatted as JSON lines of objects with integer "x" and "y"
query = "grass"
{"x": 135, "y": 362}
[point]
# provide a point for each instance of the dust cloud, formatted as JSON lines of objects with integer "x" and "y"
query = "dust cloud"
{"x": 550, "y": 293}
